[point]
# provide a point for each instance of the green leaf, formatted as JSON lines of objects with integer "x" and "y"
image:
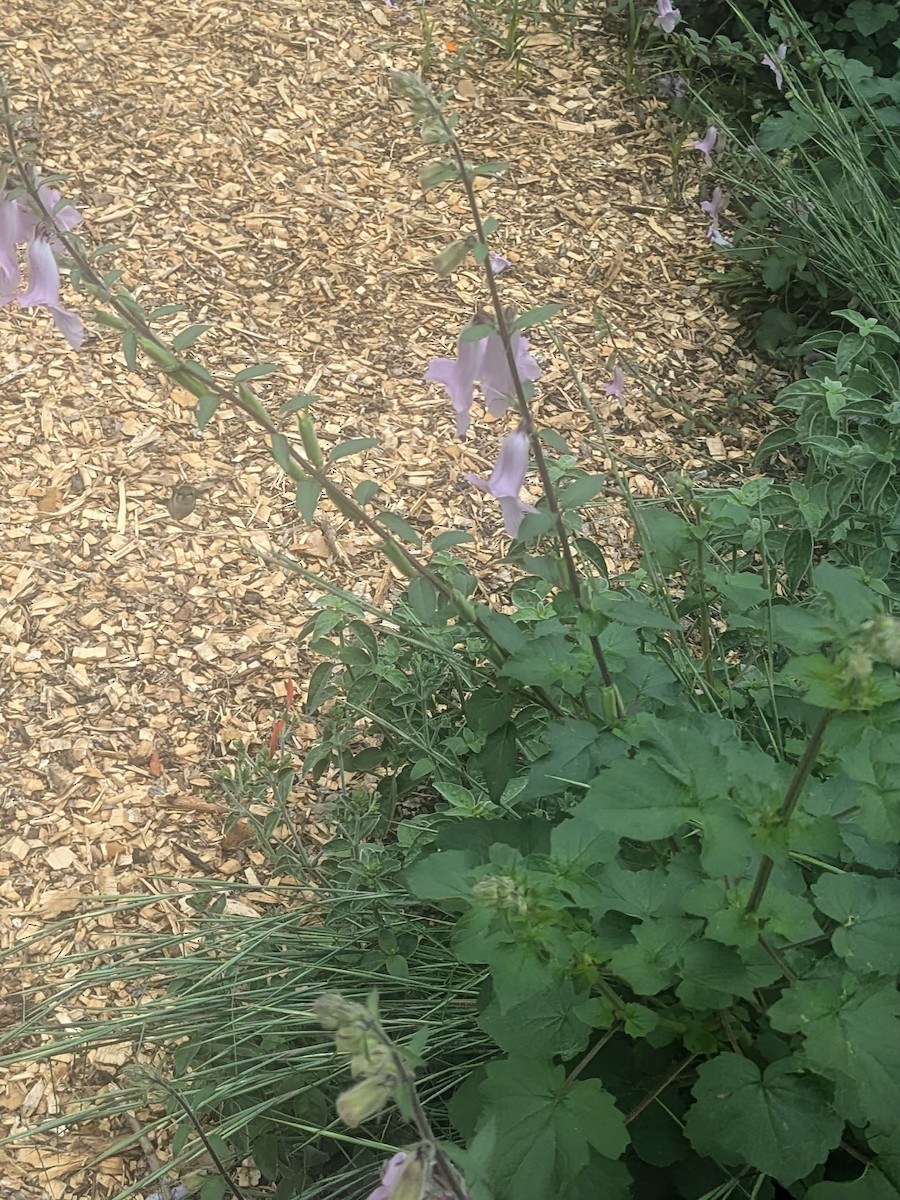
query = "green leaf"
{"x": 491, "y": 168}
{"x": 868, "y": 912}
{"x": 449, "y": 539}
{"x": 579, "y": 491}
{"x": 443, "y": 876}
{"x": 352, "y": 446}
{"x": 129, "y": 348}
{"x": 399, "y": 528}
{"x": 798, "y": 553}
{"x": 642, "y": 801}
{"x": 365, "y": 491}
{"x": 577, "y": 750}
{"x": 648, "y": 966}
{"x": 536, "y": 316}
{"x": 206, "y": 409}
{"x": 188, "y": 336}
{"x": 307, "y": 497}
{"x": 296, "y": 403}
{"x": 780, "y": 1122}
{"x": 777, "y": 440}
{"x": 871, "y": 1185}
{"x": 544, "y": 1131}
{"x": 257, "y": 372}
{"x": 712, "y": 975}
{"x": 852, "y": 1035}
{"x": 545, "y": 1024}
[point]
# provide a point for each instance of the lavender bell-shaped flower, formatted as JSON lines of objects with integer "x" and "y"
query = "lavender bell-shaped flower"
{"x": 713, "y": 208}
{"x": 706, "y": 145}
{"x": 496, "y": 378}
{"x": 43, "y": 276}
{"x": 507, "y": 479}
{"x": 667, "y": 16}
{"x": 458, "y": 375}
{"x": 13, "y": 230}
{"x": 616, "y": 385}
{"x": 390, "y": 1178}
{"x": 774, "y": 64}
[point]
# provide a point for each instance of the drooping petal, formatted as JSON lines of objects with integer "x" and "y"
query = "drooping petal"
{"x": 615, "y": 387}
{"x": 496, "y": 379}
{"x": 774, "y": 64}
{"x": 707, "y": 144}
{"x": 506, "y": 480}
{"x": 667, "y": 16}
{"x": 390, "y": 1178}
{"x": 65, "y": 217}
{"x": 458, "y": 376}
{"x": 10, "y": 236}
{"x": 43, "y": 290}
{"x": 498, "y": 263}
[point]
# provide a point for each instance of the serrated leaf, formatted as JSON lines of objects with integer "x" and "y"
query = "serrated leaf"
{"x": 206, "y": 409}
{"x": 780, "y": 1122}
{"x": 446, "y": 875}
{"x": 851, "y": 1035}
{"x": 307, "y": 498}
{"x": 256, "y": 372}
{"x": 536, "y": 316}
{"x": 545, "y": 1024}
{"x": 867, "y": 910}
{"x": 649, "y": 964}
{"x": 545, "y": 1131}
{"x": 188, "y": 336}
{"x": 642, "y": 801}
{"x": 351, "y": 446}
{"x": 400, "y": 528}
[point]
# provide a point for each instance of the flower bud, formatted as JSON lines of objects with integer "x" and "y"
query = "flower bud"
{"x": 365, "y": 1099}
{"x": 501, "y": 891}
{"x": 332, "y": 1010}
{"x": 451, "y": 257}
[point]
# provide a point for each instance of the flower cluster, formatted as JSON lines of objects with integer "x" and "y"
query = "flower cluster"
{"x": 481, "y": 358}
{"x": 20, "y": 225}
{"x": 371, "y": 1061}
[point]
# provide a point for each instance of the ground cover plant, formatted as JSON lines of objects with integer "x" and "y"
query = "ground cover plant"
{"x": 637, "y": 934}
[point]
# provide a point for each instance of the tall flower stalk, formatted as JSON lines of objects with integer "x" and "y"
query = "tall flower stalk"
{"x": 435, "y": 122}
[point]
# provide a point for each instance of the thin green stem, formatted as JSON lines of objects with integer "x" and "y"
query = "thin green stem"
{"x": 789, "y": 803}
{"x": 522, "y": 404}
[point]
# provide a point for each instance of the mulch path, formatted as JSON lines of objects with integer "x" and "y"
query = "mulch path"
{"x": 248, "y": 160}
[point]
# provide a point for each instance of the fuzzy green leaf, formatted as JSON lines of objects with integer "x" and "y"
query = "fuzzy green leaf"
{"x": 779, "y": 1122}
{"x": 545, "y": 1132}
{"x": 868, "y": 912}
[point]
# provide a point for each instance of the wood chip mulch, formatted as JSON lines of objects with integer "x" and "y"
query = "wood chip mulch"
{"x": 248, "y": 160}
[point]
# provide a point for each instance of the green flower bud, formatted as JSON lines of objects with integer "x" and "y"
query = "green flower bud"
{"x": 451, "y": 257}
{"x": 365, "y": 1099}
{"x": 882, "y": 639}
{"x": 501, "y": 891}
{"x": 332, "y": 1010}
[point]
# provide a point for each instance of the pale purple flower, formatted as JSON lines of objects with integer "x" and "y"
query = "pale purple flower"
{"x": 498, "y": 263}
{"x": 667, "y": 16}
{"x": 20, "y": 222}
{"x": 713, "y": 208}
{"x": 496, "y": 378}
{"x": 774, "y": 64}
{"x": 43, "y": 277}
{"x": 458, "y": 376}
{"x": 706, "y": 145}
{"x": 13, "y": 230}
{"x": 483, "y": 361}
{"x": 506, "y": 482}
{"x": 391, "y": 1177}
{"x": 616, "y": 385}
